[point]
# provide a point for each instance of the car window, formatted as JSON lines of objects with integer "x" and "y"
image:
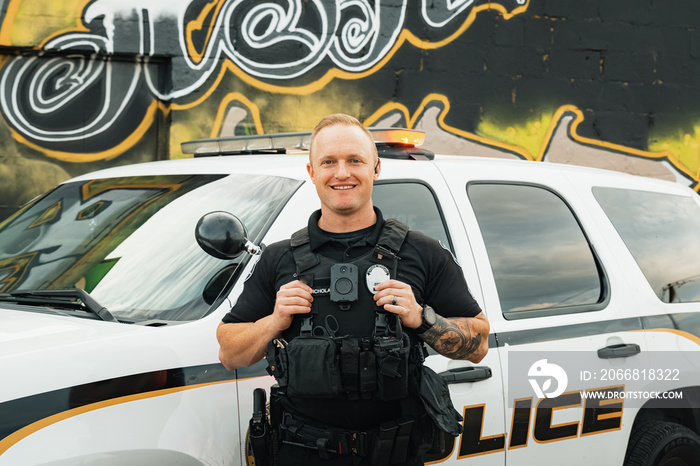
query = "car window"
{"x": 130, "y": 242}
{"x": 541, "y": 260}
{"x": 414, "y": 204}
{"x": 661, "y": 231}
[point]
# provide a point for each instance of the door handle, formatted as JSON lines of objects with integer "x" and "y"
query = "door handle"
{"x": 466, "y": 374}
{"x": 621, "y": 350}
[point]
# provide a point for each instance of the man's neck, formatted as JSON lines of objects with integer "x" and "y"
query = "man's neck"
{"x": 334, "y": 223}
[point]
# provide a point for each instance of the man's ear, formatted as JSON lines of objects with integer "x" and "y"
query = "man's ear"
{"x": 377, "y": 169}
{"x": 310, "y": 171}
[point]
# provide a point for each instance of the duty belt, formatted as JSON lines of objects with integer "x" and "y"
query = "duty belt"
{"x": 387, "y": 444}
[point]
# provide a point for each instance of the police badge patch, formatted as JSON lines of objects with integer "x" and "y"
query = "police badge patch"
{"x": 375, "y": 275}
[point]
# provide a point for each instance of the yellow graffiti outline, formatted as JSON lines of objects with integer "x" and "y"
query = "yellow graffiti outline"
{"x": 573, "y": 134}
{"x": 20, "y": 264}
{"x": 88, "y": 191}
{"x": 221, "y": 113}
{"x": 19, "y": 212}
{"x": 10, "y": 14}
{"x": 48, "y": 215}
{"x": 411, "y": 121}
{"x": 524, "y": 153}
{"x": 196, "y": 24}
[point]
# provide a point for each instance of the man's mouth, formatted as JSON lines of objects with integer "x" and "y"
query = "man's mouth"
{"x": 343, "y": 187}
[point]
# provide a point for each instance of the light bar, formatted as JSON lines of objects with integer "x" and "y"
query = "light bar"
{"x": 289, "y": 142}
{"x": 247, "y": 144}
{"x": 411, "y": 137}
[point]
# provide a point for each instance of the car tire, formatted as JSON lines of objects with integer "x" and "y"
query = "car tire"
{"x": 657, "y": 443}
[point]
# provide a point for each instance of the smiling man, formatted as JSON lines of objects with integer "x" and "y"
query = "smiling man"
{"x": 343, "y": 165}
{"x": 348, "y": 361}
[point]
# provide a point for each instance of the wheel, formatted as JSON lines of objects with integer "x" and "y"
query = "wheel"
{"x": 657, "y": 443}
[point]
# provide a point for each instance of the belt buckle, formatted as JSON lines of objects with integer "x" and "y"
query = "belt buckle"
{"x": 358, "y": 444}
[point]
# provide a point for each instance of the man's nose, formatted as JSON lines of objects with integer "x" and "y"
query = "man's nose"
{"x": 342, "y": 171}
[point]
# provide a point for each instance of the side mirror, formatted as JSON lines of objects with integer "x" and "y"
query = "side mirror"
{"x": 223, "y": 235}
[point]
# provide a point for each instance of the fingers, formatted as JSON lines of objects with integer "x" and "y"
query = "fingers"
{"x": 295, "y": 293}
{"x": 398, "y": 298}
{"x": 294, "y": 298}
{"x": 394, "y": 293}
{"x": 296, "y": 285}
{"x": 390, "y": 284}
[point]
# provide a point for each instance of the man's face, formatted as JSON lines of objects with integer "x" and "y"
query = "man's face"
{"x": 342, "y": 167}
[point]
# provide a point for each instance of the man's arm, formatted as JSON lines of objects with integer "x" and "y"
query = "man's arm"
{"x": 453, "y": 337}
{"x": 459, "y": 337}
{"x": 243, "y": 344}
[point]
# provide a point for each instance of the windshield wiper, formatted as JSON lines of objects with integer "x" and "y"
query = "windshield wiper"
{"x": 72, "y": 299}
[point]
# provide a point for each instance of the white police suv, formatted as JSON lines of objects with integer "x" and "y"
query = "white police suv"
{"x": 590, "y": 280}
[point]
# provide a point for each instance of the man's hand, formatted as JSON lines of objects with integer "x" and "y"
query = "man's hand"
{"x": 293, "y": 298}
{"x": 455, "y": 337}
{"x": 244, "y": 344}
{"x": 398, "y": 298}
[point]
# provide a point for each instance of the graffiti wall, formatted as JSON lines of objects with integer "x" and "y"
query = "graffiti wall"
{"x": 91, "y": 84}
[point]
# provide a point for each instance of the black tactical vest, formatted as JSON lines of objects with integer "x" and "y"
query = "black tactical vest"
{"x": 347, "y": 347}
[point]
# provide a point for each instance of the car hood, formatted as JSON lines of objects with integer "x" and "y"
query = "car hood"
{"x": 23, "y": 332}
{"x": 41, "y": 352}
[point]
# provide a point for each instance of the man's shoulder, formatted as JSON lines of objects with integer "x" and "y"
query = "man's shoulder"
{"x": 419, "y": 239}
{"x": 276, "y": 258}
{"x": 428, "y": 249}
{"x": 275, "y": 255}
{"x": 278, "y": 248}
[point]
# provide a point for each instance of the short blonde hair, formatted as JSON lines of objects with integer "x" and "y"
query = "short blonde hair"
{"x": 340, "y": 119}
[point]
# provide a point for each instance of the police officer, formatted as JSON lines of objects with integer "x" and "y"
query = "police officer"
{"x": 427, "y": 297}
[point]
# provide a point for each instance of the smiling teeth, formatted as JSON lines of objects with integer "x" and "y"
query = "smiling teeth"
{"x": 343, "y": 187}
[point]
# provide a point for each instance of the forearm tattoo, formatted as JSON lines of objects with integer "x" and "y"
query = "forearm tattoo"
{"x": 450, "y": 339}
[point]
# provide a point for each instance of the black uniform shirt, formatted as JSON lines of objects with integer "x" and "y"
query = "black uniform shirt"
{"x": 428, "y": 267}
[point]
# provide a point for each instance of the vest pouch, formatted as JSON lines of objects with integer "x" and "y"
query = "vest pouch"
{"x": 392, "y": 367}
{"x": 435, "y": 395}
{"x": 314, "y": 367}
{"x": 350, "y": 369}
{"x": 277, "y": 363}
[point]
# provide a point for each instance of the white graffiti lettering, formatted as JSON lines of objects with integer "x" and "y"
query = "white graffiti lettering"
{"x": 77, "y": 89}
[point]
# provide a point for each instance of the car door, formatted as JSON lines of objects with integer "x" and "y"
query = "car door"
{"x": 558, "y": 308}
{"x": 476, "y": 389}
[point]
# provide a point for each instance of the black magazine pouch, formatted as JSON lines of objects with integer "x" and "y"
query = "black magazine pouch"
{"x": 314, "y": 367}
{"x": 392, "y": 367}
{"x": 350, "y": 368}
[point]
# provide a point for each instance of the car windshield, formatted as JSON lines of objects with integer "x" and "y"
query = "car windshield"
{"x": 129, "y": 242}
